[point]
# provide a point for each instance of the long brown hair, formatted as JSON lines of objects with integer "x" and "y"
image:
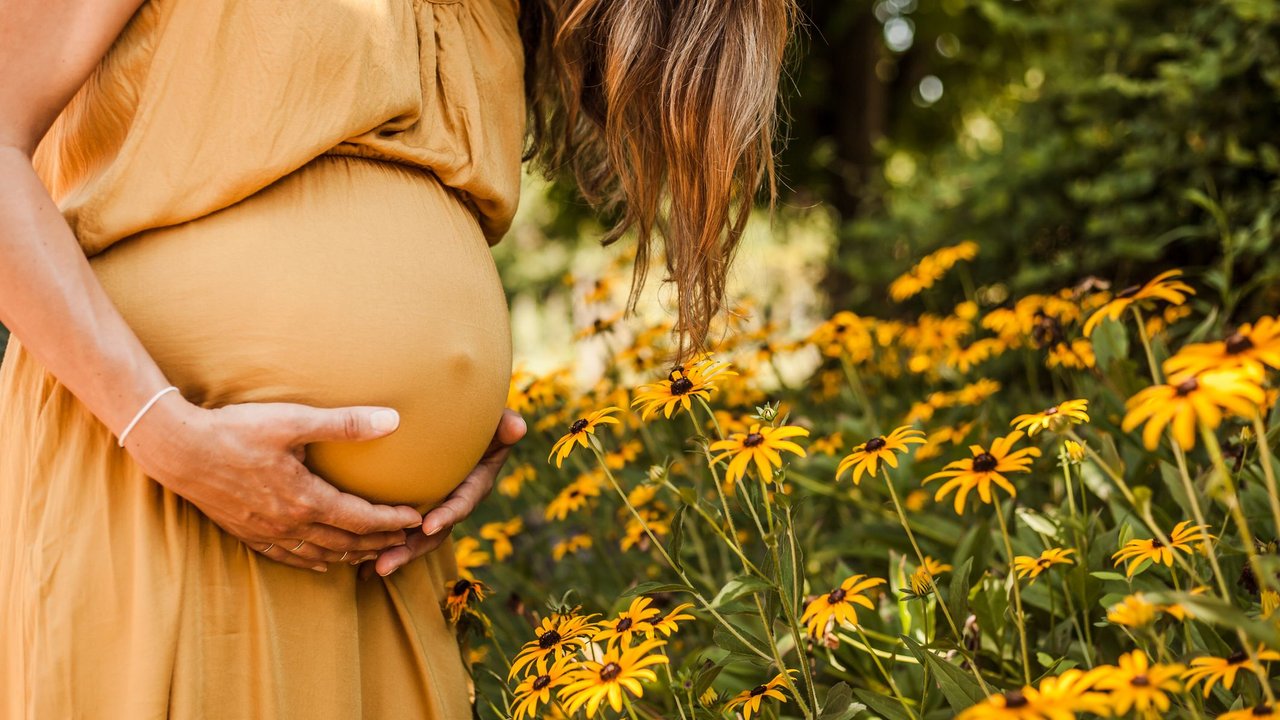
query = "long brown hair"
{"x": 665, "y": 113}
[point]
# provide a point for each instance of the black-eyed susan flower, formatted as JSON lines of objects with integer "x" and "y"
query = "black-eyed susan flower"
{"x": 1212, "y": 670}
{"x": 1072, "y": 692}
{"x": 683, "y": 384}
{"x": 1074, "y": 450}
{"x": 1135, "y": 552}
{"x": 1261, "y": 711}
{"x": 669, "y": 623}
{"x": 571, "y": 544}
{"x": 1028, "y": 566}
{"x": 837, "y": 605}
{"x": 500, "y": 533}
{"x": 634, "y": 533}
{"x": 511, "y": 483}
{"x": 460, "y": 594}
{"x": 1256, "y": 344}
{"x": 762, "y": 445}
{"x": 573, "y": 497}
{"x": 629, "y": 623}
{"x": 1020, "y": 704}
{"x": 1184, "y": 402}
{"x": 750, "y": 700}
{"x": 882, "y": 448}
{"x": 535, "y": 690}
{"x": 619, "y": 669}
{"x": 828, "y": 444}
{"x": 1140, "y": 685}
{"x": 578, "y": 432}
{"x": 985, "y": 468}
{"x": 1164, "y": 287}
{"x": 563, "y": 633}
{"x": 845, "y": 333}
{"x": 1133, "y": 611}
{"x": 922, "y": 580}
{"x": 1057, "y": 418}
{"x": 468, "y": 555}
{"x": 1074, "y": 355}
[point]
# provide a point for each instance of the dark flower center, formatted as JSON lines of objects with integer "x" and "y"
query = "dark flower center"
{"x": 1237, "y": 658}
{"x": 461, "y": 587}
{"x": 753, "y": 440}
{"x": 610, "y": 671}
{"x": 836, "y": 596}
{"x": 1238, "y": 343}
{"x": 681, "y": 385}
{"x": 1014, "y": 699}
{"x": 1262, "y": 710}
{"x": 875, "y": 443}
{"x": 624, "y": 624}
{"x": 1140, "y": 681}
{"x": 1046, "y": 330}
{"x": 1128, "y": 292}
{"x": 541, "y": 682}
{"x": 578, "y": 426}
{"x": 758, "y": 690}
{"x": 1186, "y": 387}
{"x": 985, "y": 462}
{"x": 549, "y": 639}
{"x": 841, "y": 327}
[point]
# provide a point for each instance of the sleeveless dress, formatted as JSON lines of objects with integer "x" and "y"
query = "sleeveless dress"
{"x": 288, "y": 200}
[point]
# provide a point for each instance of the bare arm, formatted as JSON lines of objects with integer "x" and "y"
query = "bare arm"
{"x": 240, "y": 464}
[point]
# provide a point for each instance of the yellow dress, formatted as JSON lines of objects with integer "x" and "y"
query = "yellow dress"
{"x": 288, "y": 200}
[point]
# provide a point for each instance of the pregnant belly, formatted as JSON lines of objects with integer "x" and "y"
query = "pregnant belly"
{"x": 348, "y": 282}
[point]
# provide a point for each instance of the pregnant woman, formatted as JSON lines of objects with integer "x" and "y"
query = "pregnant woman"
{"x": 257, "y": 331}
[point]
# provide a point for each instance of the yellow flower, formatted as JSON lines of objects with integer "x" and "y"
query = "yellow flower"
{"x": 571, "y": 544}
{"x": 1256, "y": 344}
{"x": 1134, "y": 611}
{"x": 635, "y": 620}
{"x": 1026, "y": 565}
{"x": 468, "y": 555}
{"x": 1072, "y": 692}
{"x": 1075, "y": 355}
{"x": 1213, "y": 670}
{"x": 1075, "y": 451}
{"x": 511, "y": 484}
{"x": 1161, "y": 287}
{"x": 1136, "y": 551}
{"x": 750, "y": 700}
{"x": 681, "y": 386}
{"x": 1013, "y": 705}
{"x": 578, "y": 432}
{"x": 535, "y": 690}
{"x": 1056, "y": 418}
{"x": 864, "y": 457}
{"x": 922, "y": 580}
{"x": 837, "y": 605}
{"x": 983, "y": 469}
{"x": 460, "y": 594}
{"x": 619, "y": 668}
{"x": 827, "y": 445}
{"x": 562, "y": 633}
{"x": 916, "y": 500}
{"x": 573, "y": 497}
{"x": 500, "y": 533}
{"x": 761, "y": 445}
{"x": 1184, "y": 401}
{"x": 634, "y": 533}
{"x": 1140, "y": 685}
{"x": 844, "y": 333}
{"x": 669, "y": 622}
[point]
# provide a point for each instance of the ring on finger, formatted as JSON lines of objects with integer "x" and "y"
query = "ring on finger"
{"x": 267, "y": 548}
{"x": 344, "y": 556}
{"x": 300, "y": 544}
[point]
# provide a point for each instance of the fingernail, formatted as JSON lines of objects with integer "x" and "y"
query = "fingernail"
{"x": 320, "y": 568}
{"x": 384, "y": 420}
{"x": 432, "y": 528}
{"x": 414, "y": 525}
{"x": 369, "y": 557}
{"x": 384, "y": 574}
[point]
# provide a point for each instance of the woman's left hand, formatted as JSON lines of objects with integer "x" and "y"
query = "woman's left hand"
{"x": 437, "y": 524}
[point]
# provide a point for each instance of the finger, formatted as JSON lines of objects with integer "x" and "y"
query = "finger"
{"x": 511, "y": 427}
{"x": 416, "y": 546}
{"x": 342, "y": 541}
{"x": 306, "y": 424}
{"x": 311, "y": 552}
{"x": 357, "y": 515}
{"x": 463, "y": 500}
{"x": 280, "y": 555}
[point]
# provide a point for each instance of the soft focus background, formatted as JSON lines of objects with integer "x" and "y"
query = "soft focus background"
{"x": 1067, "y": 139}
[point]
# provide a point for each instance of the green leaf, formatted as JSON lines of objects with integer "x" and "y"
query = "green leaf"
{"x": 1110, "y": 342}
{"x": 958, "y": 687}
{"x": 726, "y": 640}
{"x": 653, "y": 587}
{"x": 882, "y": 705}
{"x": 839, "y": 704}
{"x": 1108, "y": 575}
{"x": 739, "y": 586}
{"x": 1038, "y": 522}
{"x": 1214, "y": 610}
{"x": 677, "y": 536}
{"x": 958, "y": 593}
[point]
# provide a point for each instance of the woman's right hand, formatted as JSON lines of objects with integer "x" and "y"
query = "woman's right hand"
{"x": 242, "y": 466}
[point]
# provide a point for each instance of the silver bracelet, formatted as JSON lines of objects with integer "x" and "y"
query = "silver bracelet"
{"x": 145, "y": 408}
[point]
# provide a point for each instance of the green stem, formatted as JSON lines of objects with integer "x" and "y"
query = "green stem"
{"x": 1268, "y": 471}
{"x": 888, "y": 678}
{"x": 1017, "y": 596}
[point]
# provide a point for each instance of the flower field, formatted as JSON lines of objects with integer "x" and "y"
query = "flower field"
{"x": 1052, "y": 506}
